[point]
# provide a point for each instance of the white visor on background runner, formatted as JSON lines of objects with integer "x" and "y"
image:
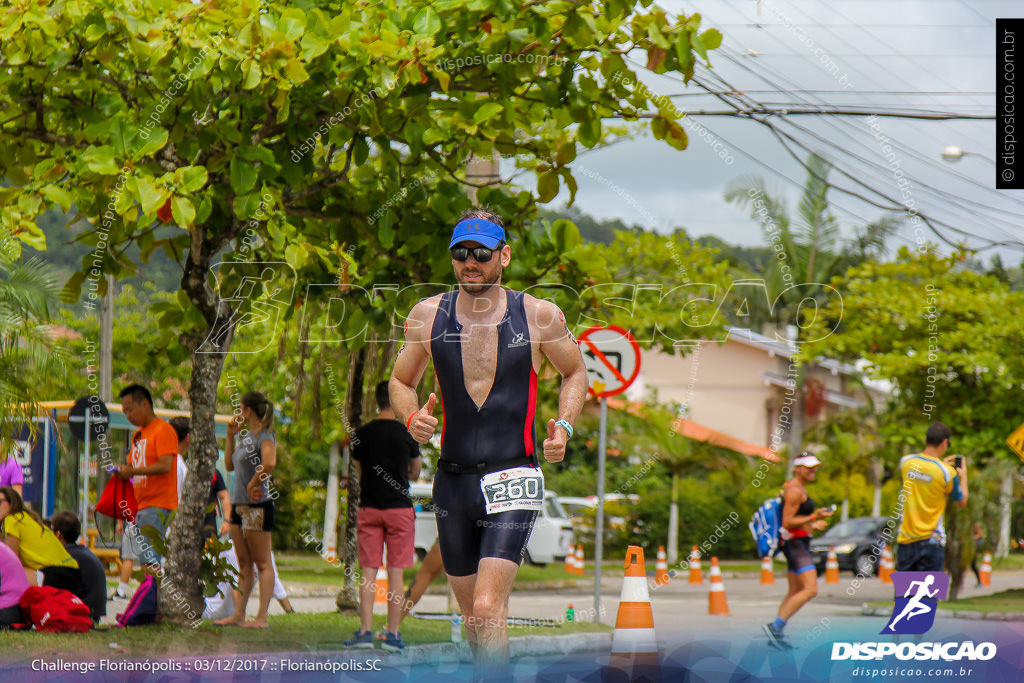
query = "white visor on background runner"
{"x": 806, "y": 459}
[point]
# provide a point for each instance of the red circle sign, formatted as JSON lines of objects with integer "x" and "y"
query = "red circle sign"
{"x": 612, "y": 357}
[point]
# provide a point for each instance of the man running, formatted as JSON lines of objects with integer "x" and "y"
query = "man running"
{"x": 487, "y": 344}
{"x": 799, "y": 518}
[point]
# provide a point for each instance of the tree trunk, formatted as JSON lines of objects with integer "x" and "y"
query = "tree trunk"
{"x": 180, "y": 596}
{"x": 673, "y": 522}
{"x": 348, "y": 596}
{"x": 878, "y": 471}
{"x": 796, "y": 428}
{"x": 844, "y": 513}
{"x": 330, "y": 534}
{"x": 316, "y": 409}
{"x": 958, "y": 536}
{"x": 300, "y": 370}
{"x": 1002, "y": 545}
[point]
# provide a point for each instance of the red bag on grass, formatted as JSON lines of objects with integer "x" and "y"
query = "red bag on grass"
{"x": 55, "y": 610}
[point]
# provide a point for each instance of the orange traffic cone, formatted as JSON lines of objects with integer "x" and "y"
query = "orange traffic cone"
{"x": 570, "y": 561}
{"x": 985, "y": 573}
{"x": 634, "y": 644}
{"x": 832, "y": 566}
{"x": 695, "y": 575}
{"x": 716, "y": 598}
{"x": 886, "y": 565}
{"x": 661, "y": 576}
{"x": 767, "y": 575}
{"x": 581, "y": 563}
{"x": 381, "y": 586}
{"x": 331, "y": 554}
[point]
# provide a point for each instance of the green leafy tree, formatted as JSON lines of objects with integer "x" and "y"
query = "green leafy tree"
{"x": 948, "y": 337}
{"x": 27, "y": 346}
{"x": 809, "y": 253}
{"x": 281, "y": 135}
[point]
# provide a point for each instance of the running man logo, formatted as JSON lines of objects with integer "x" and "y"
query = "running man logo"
{"x": 914, "y": 612}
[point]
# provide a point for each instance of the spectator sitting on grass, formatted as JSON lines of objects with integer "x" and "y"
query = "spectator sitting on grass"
{"x": 93, "y": 590}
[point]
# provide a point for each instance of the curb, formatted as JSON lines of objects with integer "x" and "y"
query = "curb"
{"x": 519, "y": 646}
{"x": 307, "y": 590}
{"x": 870, "y": 611}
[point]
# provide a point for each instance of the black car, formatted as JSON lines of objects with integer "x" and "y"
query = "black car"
{"x": 858, "y": 542}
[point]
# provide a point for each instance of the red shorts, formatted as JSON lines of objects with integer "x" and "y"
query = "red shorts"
{"x": 395, "y": 527}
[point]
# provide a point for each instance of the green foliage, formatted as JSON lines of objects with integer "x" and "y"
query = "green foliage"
{"x": 27, "y": 347}
{"x": 949, "y": 339}
{"x": 213, "y": 569}
{"x": 807, "y": 244}
{"x": 134, "y": 334}
{"x": 332, "y": 137}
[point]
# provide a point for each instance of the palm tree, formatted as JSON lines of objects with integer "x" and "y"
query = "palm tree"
{"x": 27, "y": 296}
{"x": 812, "y": 252}
{"x": 655, "y": 428}
{"x": 850, "y": 444}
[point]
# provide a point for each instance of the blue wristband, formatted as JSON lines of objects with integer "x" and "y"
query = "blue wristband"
{"x": 566, "y": 425}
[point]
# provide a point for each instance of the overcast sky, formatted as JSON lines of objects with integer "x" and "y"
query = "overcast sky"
{"x": 889, "y": 56}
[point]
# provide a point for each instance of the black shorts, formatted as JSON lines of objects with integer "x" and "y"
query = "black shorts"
{"x": 920, "y": 556}
{"x": 253, "y": 516}
{"x": 11, "y": 616}
{"x": 68, "y": 578}
{"x": 466, "y": 533}
{"x": 798, "y": 554}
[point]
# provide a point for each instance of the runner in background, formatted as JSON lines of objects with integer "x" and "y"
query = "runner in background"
{"x": 799, "y": 519}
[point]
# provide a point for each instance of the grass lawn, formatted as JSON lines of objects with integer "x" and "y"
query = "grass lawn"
{"x": 1012, "y": 562}
{"x": 306, "y": 568}
{"x": 288, "y": 632}
{"x": 1005, "y": 601}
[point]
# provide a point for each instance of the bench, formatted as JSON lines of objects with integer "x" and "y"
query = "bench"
{"x": 110, "y": 558}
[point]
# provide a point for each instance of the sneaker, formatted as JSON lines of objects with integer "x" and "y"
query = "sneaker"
{"x": 118, "y": 596}
{"x": 361, "y": 639}
{"x": 775, "y": 637}
{"x": 393, "y": 642}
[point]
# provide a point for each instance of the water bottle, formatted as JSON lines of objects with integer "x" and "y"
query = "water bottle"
{"x": 570, "y": 614}
{"x": 456, "y": 629}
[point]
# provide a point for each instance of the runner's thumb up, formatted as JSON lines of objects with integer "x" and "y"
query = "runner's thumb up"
{"x": 428, "y": 407}
{"x": 551, "y": 429}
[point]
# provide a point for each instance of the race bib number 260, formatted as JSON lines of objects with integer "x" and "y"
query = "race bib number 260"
{"x": 518, "y": 488}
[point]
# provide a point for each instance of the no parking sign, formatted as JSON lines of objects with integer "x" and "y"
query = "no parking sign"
{"x": 612, "y": 357}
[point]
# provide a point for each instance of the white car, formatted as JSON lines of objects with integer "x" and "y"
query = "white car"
{"x": 549, "y": 542}
{"x": 582, "y": 511}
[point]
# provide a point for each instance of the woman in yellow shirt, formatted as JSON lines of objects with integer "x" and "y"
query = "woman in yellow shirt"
{"x": 35, "y": 545}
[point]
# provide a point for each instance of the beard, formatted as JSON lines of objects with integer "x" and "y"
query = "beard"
{"x": 482, "y": 285}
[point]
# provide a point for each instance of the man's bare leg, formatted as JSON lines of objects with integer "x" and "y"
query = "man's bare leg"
{"x": 463, "y": 587}
{"x": 483, "y": 598}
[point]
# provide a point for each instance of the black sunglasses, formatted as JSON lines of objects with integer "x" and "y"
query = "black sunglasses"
{"x": 481, "y": 254}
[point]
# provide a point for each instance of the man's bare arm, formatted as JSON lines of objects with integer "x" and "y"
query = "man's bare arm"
{"x": 560, "y": 347}
{"x": 412, "y": 360}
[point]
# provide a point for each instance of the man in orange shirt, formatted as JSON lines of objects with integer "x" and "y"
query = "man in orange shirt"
{"x": 152, "y": 468}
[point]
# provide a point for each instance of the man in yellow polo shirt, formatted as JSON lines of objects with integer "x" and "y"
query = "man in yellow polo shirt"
{"x": 929, "y": 479}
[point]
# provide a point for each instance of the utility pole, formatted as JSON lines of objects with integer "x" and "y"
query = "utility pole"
{"x": 482, "y": 171}
{"x": 107, "y": 342}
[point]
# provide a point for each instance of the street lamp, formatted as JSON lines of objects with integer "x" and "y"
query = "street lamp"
{"x": 952, "y": 154}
